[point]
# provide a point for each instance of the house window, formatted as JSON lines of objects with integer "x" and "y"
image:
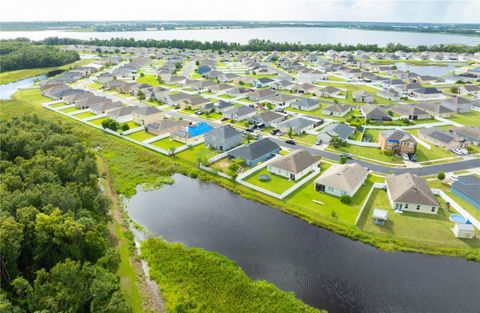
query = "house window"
{"x": 418, "y": 206}
{"x": 406, "y": 205}
{"x": 433, "y": 209}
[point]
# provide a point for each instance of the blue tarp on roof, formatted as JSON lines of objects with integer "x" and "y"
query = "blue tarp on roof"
{"x": 199, "y": 129}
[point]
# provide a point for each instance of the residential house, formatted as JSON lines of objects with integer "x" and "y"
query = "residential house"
{"x": 467, "y": 187}
{"x": 284, "y": 85}
{"x": 341, "y": 131}
{"x": 306, "y": 88}
{"x": 193, "y": 103}
{"x": 282, "y": 99}
{"x": 362, "y": 96}
{"x": 470, "y": 133}
{"x": 165, "y": 126}
{"x": 441, "y": 138}
{"x": 237, "y": 92}
{"x": 436, "y": 109}
{"x": 398, "y": 141}
{"x": 298, "y": 125}
{"x": 330, "y": 92}
{"x": 473, "y": 90}
{"x": 261, "y": 94}
{"x": 122, "y": 114}
{"x": 105, "y": 107}
{"x": 255, "y": 152}
{"x": 263, "y": 82}
{"x": 294, "y": 165}
{"x": 191, "y": 133}
{"x": 411, "y": 111}
{"x": 220, "y": 88}
{"x": 390, "y": 94}
{"x": 221, "y": 106}
{"x": 223, "y": 138}
{"x": 342, "y": 179}
{"x": 146, "y": 115}
{"x": 374, "y": 113}
{"x": 305, "y": 104}
{"x": 337, "y": 109}
{"x": 175, "y": 98}
{"x": 240, "y": 113}
{"x": 409, "y": 192}
{"x": 458, "y": 104}
{"x": 427, "y": 93}
{"x": 267, "y": 118}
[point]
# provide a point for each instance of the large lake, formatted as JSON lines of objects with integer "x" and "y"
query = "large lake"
{"x": 284, "y": 34}
{"x": 323, "y": 269}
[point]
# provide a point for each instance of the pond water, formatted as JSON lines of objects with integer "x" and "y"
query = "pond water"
{"x": 7, "y": 90}
{"x": 276, "y": 34}
{"x": 323, "y": 269}
{"x": 430, "y": 70}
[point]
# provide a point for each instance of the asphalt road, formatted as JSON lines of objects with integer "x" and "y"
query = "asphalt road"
{"x": 420, "y": 171}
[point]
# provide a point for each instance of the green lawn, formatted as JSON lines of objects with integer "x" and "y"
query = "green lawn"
{"x": 33, "y": 95}
{"x": 468, "y": 119}
{"x": 306, "y": 138}
{"x": 466, "y": 205}
{"x": 225, "y": 96}
{"x": 140, "y": 135}
{"x": 131, "y": 124}
{"x": 94, "y": 85}
{"x": 148, "y": 79}
{"x": 352, "y": 88}
{"x": 277, "y": 184}
{"x": 302, "y": 202}
{"x": 192, "y": 153}
{"x": 424, "y": 228}
{"x": 368, "y": 152}
{"x": 69, "y": 110}
{"x": 57, "y": 105}
{"x": 84, "y": 115}
{"x": 98, "y": 121}
{"x": 424, "y": 154}
{"x": 167, "y": 143}
{"x": 336, "y": 78}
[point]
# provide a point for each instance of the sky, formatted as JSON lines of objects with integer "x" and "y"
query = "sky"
{"x": 428, "y": 11}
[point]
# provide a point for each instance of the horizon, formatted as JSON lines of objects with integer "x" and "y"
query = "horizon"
{"x": 389, "y": 11}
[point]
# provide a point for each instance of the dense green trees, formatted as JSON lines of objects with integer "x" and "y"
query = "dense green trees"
{"x": 22, "y": 54}
{"x": 55, "y": 252}
{"x": 257, "y": 45}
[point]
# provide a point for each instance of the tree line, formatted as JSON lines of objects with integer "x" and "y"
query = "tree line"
{"x": 55, "y": 251}
{"x": 258, "y": 45}
{"x": 23, "y": 54}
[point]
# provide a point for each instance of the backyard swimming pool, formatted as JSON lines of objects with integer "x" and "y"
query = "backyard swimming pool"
{"x": 457, "y": 218}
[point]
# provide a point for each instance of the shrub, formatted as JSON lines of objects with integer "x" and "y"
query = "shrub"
{"x": 441, "y": 175}
{"x": 346, "y": 199}
{"x": 343, "y": 159}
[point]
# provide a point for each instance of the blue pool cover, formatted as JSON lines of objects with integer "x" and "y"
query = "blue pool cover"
{"x": 199, "y": 129}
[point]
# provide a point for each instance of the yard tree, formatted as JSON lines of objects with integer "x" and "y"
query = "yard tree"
{"x": 290, "y": 133}
{"x": 441, "y": 175}
{"x": 343, "y": 159}
{"x": 141, "y": 95}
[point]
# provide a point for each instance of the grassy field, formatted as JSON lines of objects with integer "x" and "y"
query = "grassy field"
{"x": 94, "y": 86}
{"x": 192, "y": 277}
{"x": 167, "y": 143}
{"x": 31, "y": 95}
{"x": 140, "y": 135}
{"x": 277, "y": 184}
{"x": 12, "y": 76}
{"x": 434, "y": 229}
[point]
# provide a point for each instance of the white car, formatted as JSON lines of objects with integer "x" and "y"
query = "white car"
{"x": 464, "y": 151}
{"x": 405, "y": 157}
{"x": 457, "y": 151}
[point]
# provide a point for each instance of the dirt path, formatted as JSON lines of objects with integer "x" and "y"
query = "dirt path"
{"x": 149, "y": 289}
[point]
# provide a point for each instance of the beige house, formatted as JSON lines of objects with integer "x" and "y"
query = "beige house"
{"x": 409, "y": 192}
{"x": 295, "y": 165}
{"x": 342, "y": 179}
{"x": 397, "y": 141}
{"x": 146, "y": 115}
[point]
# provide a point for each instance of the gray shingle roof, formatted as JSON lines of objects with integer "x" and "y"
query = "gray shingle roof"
{"x": 296, "y": 161}
{"x": 255, "y": 149}
{"x": 409, "y": 188}
{"x": 345, "y": 177}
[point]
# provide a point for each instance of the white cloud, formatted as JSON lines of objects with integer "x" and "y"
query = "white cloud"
{"x": 464, "y": 11}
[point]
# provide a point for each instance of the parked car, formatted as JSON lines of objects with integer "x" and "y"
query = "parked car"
{"x": 405, "y": 157}
{"x": 464, "y": 151}
{"x": 347, "y": 155}
{"x": 198, "y": 112}
{"x": 290, "y": 142}
{"x": 318, "y": 142}
{"x": 224, "y": 119}
{"x": 274, "y": 131}
{"x": 456, "y": 151}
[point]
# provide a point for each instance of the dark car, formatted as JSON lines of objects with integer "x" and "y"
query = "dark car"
{"x": 274, "y": 131}
{"x": 250, "y": 130}
{"x": 224, "y": 119}
{"x": 290, "y": 142}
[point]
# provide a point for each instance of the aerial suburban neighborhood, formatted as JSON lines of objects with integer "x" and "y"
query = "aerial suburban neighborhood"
{"x": 347, "y": 128}
{"x": 283, "y": 166}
